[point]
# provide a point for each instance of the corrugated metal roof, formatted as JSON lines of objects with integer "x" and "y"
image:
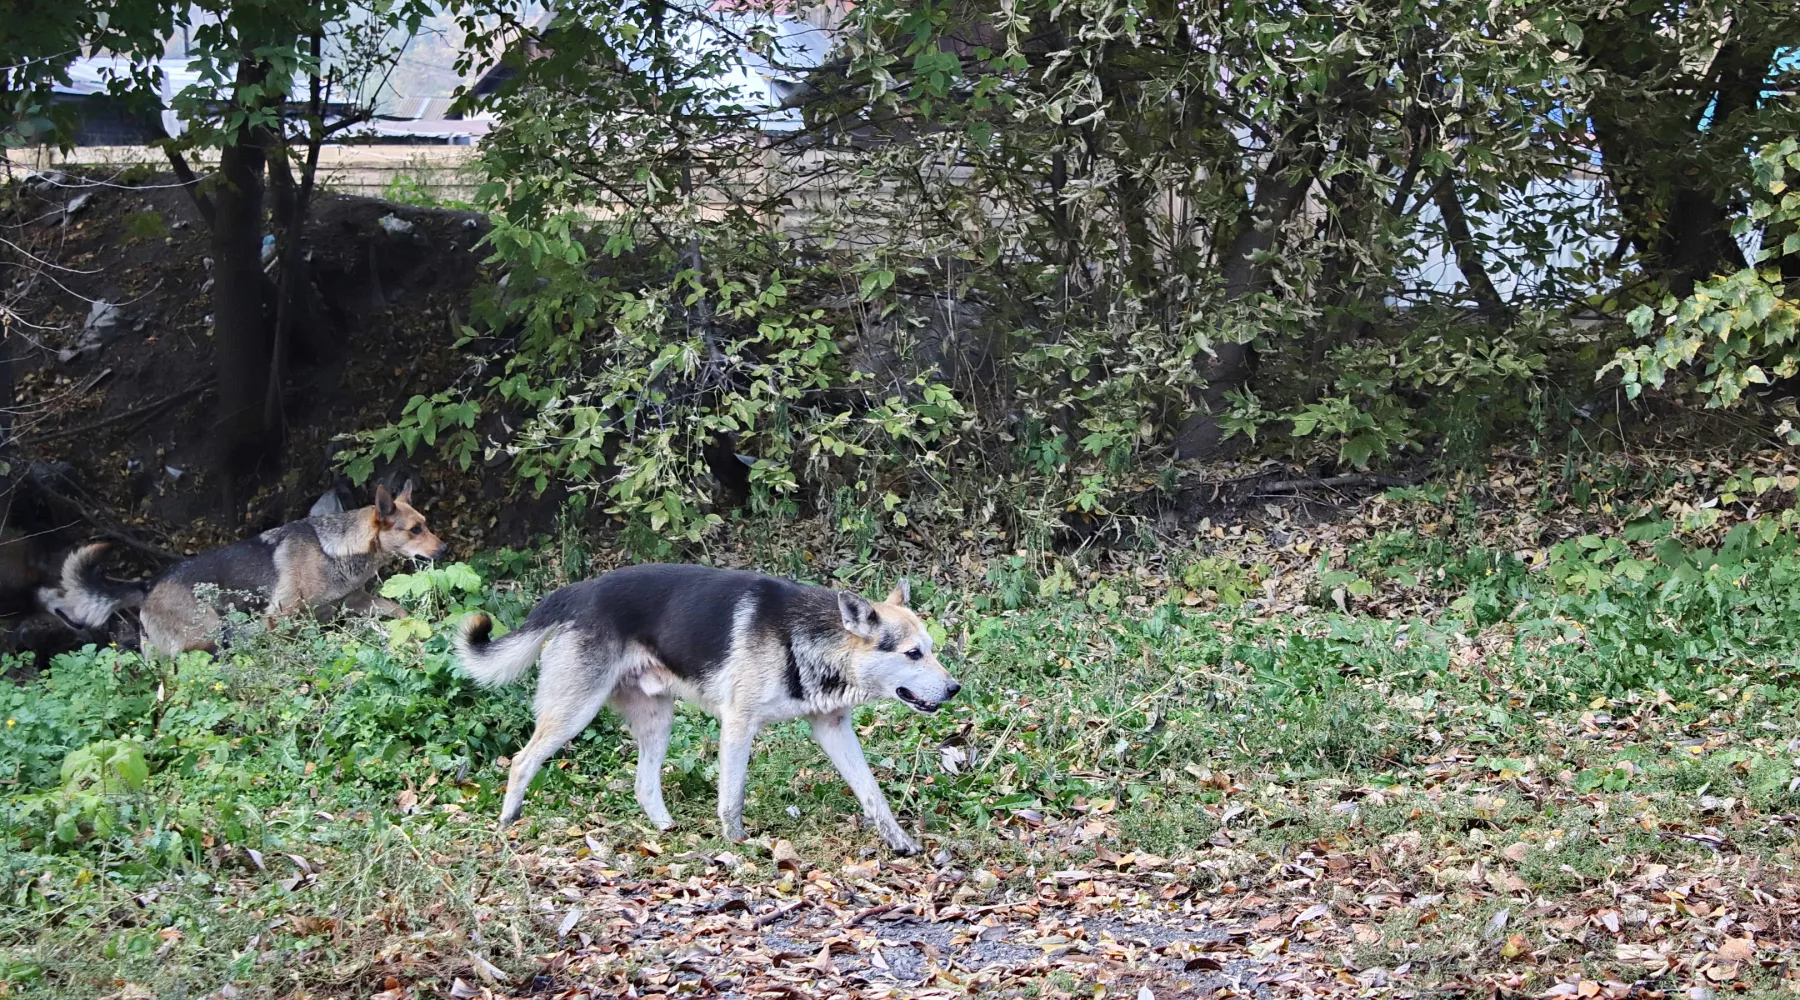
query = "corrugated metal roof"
{"x": 423, "y": 128}
{"x": 96, "y": 74}
{"x": 421, "y": 107}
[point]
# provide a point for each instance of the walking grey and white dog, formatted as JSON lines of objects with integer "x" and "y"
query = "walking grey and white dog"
{"x": 751, "y": 650}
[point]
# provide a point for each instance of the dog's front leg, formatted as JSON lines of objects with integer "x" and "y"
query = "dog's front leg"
{"x": 735, "y": 736}
{"x": 834, "y": 734}
{"x": 280, "y": 608}
{"x": 365, "y": 603}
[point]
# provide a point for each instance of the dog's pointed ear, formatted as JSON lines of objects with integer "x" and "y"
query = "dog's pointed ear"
{"x": 858, "y": 615}
{"x": 902, "y": 593}
{"x": 405, "y": 493}
{"x": 384, "y": 502}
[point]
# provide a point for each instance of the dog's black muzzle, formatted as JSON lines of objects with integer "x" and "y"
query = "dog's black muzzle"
{"x": 919, "y": 704}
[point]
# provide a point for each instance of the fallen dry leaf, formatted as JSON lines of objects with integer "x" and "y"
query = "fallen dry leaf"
{"x": 1515, "y": 947}
{"x": 784, "y": 856}
{"x": 488, "y": 970}
{"x": 1721, "y": 972}
{"x": 1737, "y": 949}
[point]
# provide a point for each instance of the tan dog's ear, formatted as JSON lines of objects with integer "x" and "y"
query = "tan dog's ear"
{"x": 384, "y": 502}
{"x": 405, "y": 493}
{"x": 901, "y": 593}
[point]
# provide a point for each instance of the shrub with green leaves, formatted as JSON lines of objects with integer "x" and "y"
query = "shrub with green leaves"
{"x": 628, "y": 386}
{"x": 1440, "y": 382}
{"x": 988, "y": 280}
{"x": 112, "y": 756}
{"x": 436, "y": 422}
{"x": 1740, "y": 329}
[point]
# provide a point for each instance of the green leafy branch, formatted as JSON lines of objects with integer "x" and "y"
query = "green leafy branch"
{"x": 1739, "y": 329}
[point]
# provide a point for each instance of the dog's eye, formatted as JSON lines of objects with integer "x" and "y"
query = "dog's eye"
{"x": 418, "y": 529}
{"x": 915, "y": 654}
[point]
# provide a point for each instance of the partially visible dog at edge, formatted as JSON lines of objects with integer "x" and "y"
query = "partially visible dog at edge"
{"x": 326, "y": 559}
{"x": 751, "y": 650}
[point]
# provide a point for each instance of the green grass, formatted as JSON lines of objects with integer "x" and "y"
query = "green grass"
{"x": 1599, "y": 711}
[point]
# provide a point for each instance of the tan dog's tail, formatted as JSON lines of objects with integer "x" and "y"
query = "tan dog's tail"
{"x": 87, "y": 599}
{"x": 496, "y": 662}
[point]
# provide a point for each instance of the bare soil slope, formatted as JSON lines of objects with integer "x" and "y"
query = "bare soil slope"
{"x": 112, "y": 343}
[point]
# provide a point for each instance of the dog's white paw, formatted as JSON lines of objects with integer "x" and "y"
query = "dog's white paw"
{"x": 904, "y": 846}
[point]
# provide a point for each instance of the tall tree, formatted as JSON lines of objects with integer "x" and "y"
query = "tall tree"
{"x": 254, "y": 63}
{"x": 1684, "y": 92}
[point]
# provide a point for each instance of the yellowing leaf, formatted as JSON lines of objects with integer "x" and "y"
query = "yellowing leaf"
{"x": 1516, "y": 946}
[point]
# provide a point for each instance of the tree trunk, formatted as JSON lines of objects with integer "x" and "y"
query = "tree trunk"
{"x": 1696, "y": 242}
{"x": 1280, "y": 192}
{"x": 1074, "y": 280}
{"x": 1468, "y": 255}
{"x": 241, "y": 332}
{"x": 299, "y": 331}
{"x": 288, "y": 214}
{"x": 8, "y": 474}
{"x": 1666, "y": 152}
{"x": 153, "y": 126}
{"x": 1341, "y": 281}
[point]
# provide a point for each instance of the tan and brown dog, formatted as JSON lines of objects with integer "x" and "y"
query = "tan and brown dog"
{"x": 323, "y": 560}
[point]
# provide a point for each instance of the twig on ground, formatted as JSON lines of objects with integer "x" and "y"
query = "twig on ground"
{"x": 1334, "y": 483}
{"x": 873, "y": 911}
{"x": 85, "y": 510}
{"x": 131, "y": 541}
{"x": 147, "y": 410}
{"x": 776, "y": 914}
{"x": 1714, "y": 844}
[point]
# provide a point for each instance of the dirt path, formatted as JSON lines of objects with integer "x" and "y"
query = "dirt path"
{"x": 642, "y": 925}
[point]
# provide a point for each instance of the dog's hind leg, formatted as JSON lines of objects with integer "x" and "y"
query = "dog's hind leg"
{"x": 572, "y": 687}
{"x": 649, "y": 718}
{"x": 735, "y": 736}
{"x": 175, "y": 621}
{"x": 834, "y": 734}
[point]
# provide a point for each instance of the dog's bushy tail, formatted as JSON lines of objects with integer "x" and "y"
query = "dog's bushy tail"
{"x": 496, "y": 662}
{"x": 87, "y": 598}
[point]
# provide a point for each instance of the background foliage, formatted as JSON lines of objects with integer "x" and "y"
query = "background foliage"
{"x": 1017, "y": 259}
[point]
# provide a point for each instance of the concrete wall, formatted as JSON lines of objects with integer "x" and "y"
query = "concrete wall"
{"x": 815, "y": 185}
{"x": 441, "y": 171}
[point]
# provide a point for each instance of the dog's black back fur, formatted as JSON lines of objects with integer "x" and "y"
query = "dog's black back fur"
{"x": 683, "y": 614}
{"x": 241, "y": 570}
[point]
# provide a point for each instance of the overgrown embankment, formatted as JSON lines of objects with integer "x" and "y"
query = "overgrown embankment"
{"x": 113, "y": 408}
